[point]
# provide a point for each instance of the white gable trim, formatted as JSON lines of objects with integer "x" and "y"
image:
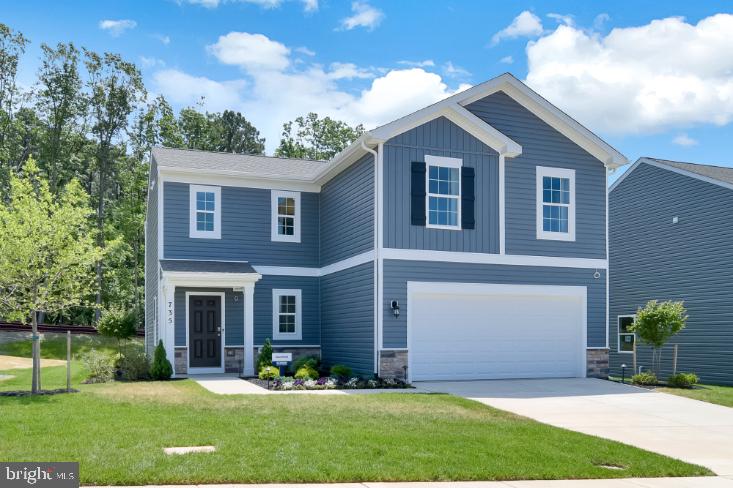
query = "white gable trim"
{"x": 680, "y": 171}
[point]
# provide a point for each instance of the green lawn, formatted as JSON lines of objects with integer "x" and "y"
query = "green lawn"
{"x": 117, "y": 432}
{"x": 722, "y": 395}
{"x": 54, "y": 346}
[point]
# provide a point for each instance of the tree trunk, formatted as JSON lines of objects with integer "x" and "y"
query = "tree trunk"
{"x": 35, "y": 352}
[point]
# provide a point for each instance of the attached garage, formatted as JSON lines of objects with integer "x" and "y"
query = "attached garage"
{"x": 466, "y": 331}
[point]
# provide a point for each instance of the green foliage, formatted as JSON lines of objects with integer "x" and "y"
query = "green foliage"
{"x": 682, "y": 380}
{"x": 646, "y": 378}
{"x": 306, "y": 372}
{"x": 100, "y": 367}
{"x": 134, "y": 365}
{"x": 269, "y": 372}
{"x": 341, "y": 371}
{"x": 656, "y": 323}
{"x": 313, "y": 362}
{"x": 312, "y": 138}
{"x": 118, "y": 323}
{"x": 265, "y": 356}
{"x": 161, "y": 368}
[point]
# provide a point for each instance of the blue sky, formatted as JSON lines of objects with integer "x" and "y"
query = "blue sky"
{"x": 652, "y": 78}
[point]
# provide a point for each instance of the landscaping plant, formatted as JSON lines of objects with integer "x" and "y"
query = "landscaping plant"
{"x": 118, "y": 324}
{"x": 313, "y": 362}
{"x": 133, "y": 365}
{"x": 341, "y": 371}
{"x": 682, "y": 380}
{"x": 161, "y": 368}
{"x": 656, "y": 323}
{"x": 100, "y": 367}
{"x": 306, "y": 372}
{"x": 265, "y": 357}
{"x": 646, "y": 378}
{"x": 269, "y": 372}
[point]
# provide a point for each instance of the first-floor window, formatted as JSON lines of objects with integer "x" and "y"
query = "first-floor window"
{"x": 286, "y": 314}
{"x": 626, "y": 336}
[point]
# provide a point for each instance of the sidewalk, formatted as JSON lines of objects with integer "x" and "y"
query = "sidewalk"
{"x": 702, "y": 482}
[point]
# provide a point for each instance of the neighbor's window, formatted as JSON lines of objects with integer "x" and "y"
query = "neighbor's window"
{"x": 626, "y": 337}
{"x": 286, "y": 314}
{"x": 205, "y": 218}
{"x": 443, "y": 192}
{"x": 555, "y": 203}
{"x": 285, "y": 216}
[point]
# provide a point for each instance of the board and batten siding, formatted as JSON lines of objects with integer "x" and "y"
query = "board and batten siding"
{"x": 440, "y": 137}
{"x": 347, "y": 213}
{"x": 310, "y": 313}
{"x": 245, "y": 229}
{"x": 347, "y": 318}
{"x": 233, "y": 315}
{"x": 151, "y": 258}
{"x": 397, "y": 273}
{"x": 544, "y": 146}
{"x": 652, "y": 258}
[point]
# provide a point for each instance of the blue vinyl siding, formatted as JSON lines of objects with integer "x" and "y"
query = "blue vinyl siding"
{"x": 544, "y": 146}
{"x": 398, "y": 273}
{"x": 310, "y": 302}
{"x": 347, "y": 213}
{"x": 347, "y": 318}
{"x": 440, "y": 137}
{"x": 151, "y": 259}
{"x": 233, "y": 315}
{"x": 245, "y": 229}
{"x": 652, "y": 258}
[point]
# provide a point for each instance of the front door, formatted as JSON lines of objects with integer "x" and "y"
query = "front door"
{"x": 204, "y": 333}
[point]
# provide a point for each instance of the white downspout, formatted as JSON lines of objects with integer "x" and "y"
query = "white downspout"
{"x": 377, "y": 231}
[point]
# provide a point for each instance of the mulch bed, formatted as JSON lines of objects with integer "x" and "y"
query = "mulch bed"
{"x": 263, "y": 384}
{"x": 25, "y": 393}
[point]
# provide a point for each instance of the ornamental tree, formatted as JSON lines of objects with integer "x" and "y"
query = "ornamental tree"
{"x": 47, "y": 252}
{"x": 656, "y": 323}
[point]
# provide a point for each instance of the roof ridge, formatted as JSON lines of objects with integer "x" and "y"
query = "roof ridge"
{"x": 662, "y": 160}
{"x": 238, "y": 154}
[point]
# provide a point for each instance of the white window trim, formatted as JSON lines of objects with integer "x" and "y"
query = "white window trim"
{"x": 543, "y": 171}
{"x": 276, "y": 334}
{"x": 204, "y": 234}
{"x": 446, "y": 163}
{"x": 619, "y": 333}
{"x": 274, "y": 236}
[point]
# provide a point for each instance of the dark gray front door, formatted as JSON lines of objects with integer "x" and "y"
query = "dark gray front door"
{"x": 204, "y": 333}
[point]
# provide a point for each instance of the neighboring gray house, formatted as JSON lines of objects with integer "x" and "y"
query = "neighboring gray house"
{"x": 671, "y": 238}
{"x": 466, "y": 240}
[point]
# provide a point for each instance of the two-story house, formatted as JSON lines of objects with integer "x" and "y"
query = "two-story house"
{"x": 465, "y": 240}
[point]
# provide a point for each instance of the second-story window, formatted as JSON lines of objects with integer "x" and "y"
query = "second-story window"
{"x": 285, "y": 216}
{"x": 443, "y": 192}
{"x": 555, "y": 203}
{"x": 205, "y": 212}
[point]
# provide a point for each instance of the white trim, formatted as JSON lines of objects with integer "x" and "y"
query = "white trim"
{"x": 344, "y": 264}
{"x": 618, "y": 333}
{"x": 284, "y": 346}
{"x": 203, "y": 280}
{"x": 608, "y": 279}
{"x": 274, "y": 235}
{"x": 481, "y": 258}
{"x": 235, "y": 179}
{"x": 652, "y": 162}
{"x": 249, "y": 302}
{"x": 502, "y": 204}
{"x": 547, "y": 171}
{"x": 161, "y": 205}
{"x": 219, "y": 369}
{"x": 379, "y": 295}
{"x": 418, "y": 287}
{"x": 441, "y": 161}
{"x": 276, "y": 334}
{"x": 193, "y": 232}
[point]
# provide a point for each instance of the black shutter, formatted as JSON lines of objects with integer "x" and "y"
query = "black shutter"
{"x": 468, "y": 220}
{"x": 417, "y": 194}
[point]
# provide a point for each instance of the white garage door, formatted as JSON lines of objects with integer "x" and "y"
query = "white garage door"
{"x": 485, "y": 331}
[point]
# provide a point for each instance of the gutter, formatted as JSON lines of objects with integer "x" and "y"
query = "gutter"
{"x": 377, "y": 246}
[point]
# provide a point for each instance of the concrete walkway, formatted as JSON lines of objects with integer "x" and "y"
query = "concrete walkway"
{"x": 693, "y": 431}
{"x": 223, "y": 384}
{"x": 708, "y": 482}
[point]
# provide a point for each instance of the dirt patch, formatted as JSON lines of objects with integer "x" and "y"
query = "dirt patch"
{"x": 14, "y": 362}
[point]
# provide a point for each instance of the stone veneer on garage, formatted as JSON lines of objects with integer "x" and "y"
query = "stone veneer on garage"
{"x": 597, "y": 363}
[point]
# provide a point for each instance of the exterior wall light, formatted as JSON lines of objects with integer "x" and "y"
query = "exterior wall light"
{"x": 395, "y": 305}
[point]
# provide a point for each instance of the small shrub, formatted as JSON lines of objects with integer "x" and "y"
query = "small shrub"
{"x": 314, "y": 362}
{"x": 134, "y": 365}
{"x": 306, "y": 372}
{"x": 161, "y": 369}
{"x": 341, "y": 371}
{"x": 269, "y": 372}
{"x": 119, "y": 324}
{"x": 682, "y": 380}
{"x": 265, "y": 357}
{"x": 646, "y": 378}
{"x": 100, "y": 367}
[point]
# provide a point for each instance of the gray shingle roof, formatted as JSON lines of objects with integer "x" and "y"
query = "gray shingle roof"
{"x": 720, "y": 173}
{"x": 206, "y": 266}
{"x": 244, "y": 164}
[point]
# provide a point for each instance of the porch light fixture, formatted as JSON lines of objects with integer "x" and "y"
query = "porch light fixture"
{"x": 395, "y": 305}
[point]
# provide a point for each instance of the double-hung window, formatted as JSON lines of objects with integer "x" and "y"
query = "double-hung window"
{"x": 555, "y": 203}
{"x": 443, "y": 192}
{"x": 205, "y": 212}
{"x": 626, "y": 336}
{"x": 285, "y": 216}
{"x": 286, "y": 314}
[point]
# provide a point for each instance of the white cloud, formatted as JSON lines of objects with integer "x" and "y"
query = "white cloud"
{"x": 427, "y": 63}
{"x": 562, "y": 19}
{"x": 364, "y": 15}
{"x": 310, "y": 5}
{"x": 304, "y": 50}
{"x": 526, "y": 24}
{"x": 453, "y": 71}
{"x": 653, "y": 77}
{"x": 684, "y": 140}
{"x": 165, "y": 40}
{"x": 117, "y": 27}
{"x": 204, "y": 3}
{"x": 150, "y": 62}
{"x": 348, "y": 71}
{"x": 183, "y": 89}
{"x": 600, "y": 20}
{"x": 251, "y": 51}
{"x": 507, "y": 60}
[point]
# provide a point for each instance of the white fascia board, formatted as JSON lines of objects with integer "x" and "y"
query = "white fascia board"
{"x": 680, "y": 171}
{"x": 199, "y": 279}
{"x": 233, "y": 178}
{"x": 342, "y": 265}
{"x": 345, "y": 158}
{"x": 500, "y": 259}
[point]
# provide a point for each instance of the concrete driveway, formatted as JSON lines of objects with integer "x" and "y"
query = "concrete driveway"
{"x": 693, "y": 431}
